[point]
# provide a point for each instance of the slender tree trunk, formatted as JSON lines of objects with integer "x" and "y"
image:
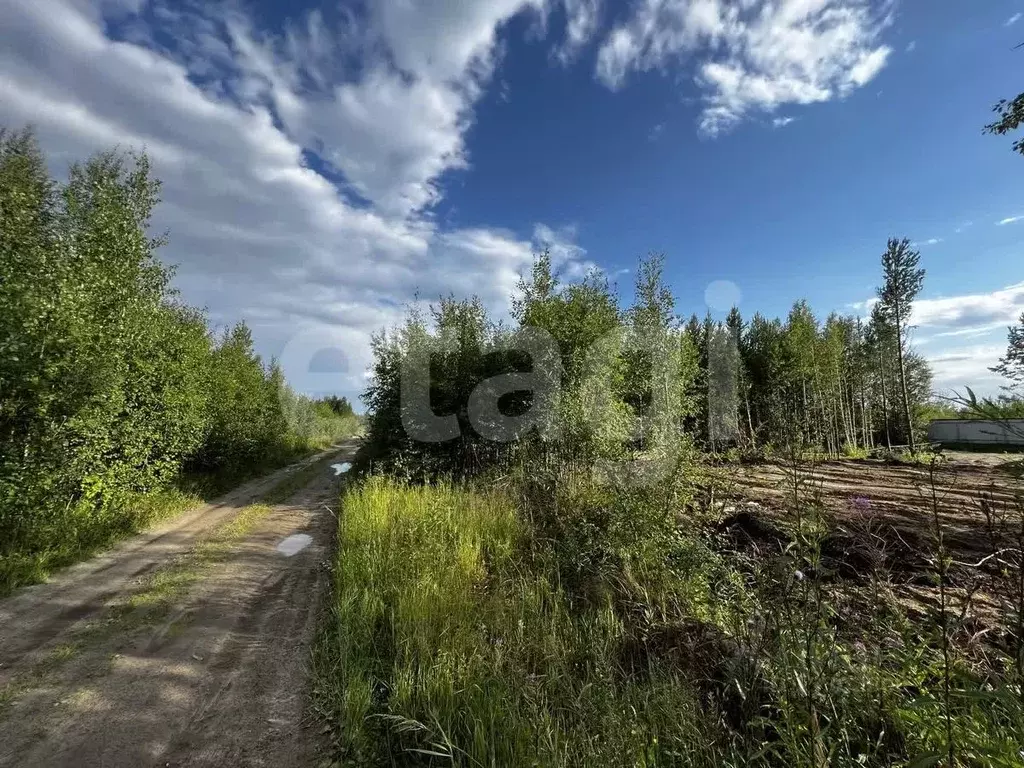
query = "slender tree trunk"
{"x": 804, "y": 424}
{"x": 750, "y": 421}
{"x": 865, "y": 423}
{"x": 885, "y": 400}
{"x": 903, "y": 380}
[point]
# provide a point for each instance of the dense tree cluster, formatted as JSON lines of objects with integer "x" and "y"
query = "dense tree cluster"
{"x": 640, "y": 381}
{"x": 110, "y": 386}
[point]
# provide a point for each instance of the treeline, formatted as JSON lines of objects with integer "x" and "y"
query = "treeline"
{"x": 840, "y": 385}
{"x": 640, "y": 381}
{"x": 110, "y": 386}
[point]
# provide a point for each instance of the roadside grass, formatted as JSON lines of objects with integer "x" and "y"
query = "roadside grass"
{"x": 549, "y": 621}
{"x": 19, "y": 569}
{"x": 135, "y": 514}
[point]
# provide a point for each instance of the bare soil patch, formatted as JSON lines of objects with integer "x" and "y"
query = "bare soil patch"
{"x": 897, "y": 501}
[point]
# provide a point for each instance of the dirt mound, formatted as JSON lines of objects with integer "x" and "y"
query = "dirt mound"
{"x": 749, "y": 529}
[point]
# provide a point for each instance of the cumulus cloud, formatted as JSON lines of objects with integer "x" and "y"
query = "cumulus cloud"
{"x": 962, "y": 314}
{"x": 754, "y": 56}
{"x": 981, "y": 318}
{"x": 298, "y": 168}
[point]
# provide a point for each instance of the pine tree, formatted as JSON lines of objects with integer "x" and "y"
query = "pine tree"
{"x": 902, "y": 281}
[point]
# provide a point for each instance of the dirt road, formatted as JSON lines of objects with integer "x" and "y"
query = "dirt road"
{"x": 186, "y": 645}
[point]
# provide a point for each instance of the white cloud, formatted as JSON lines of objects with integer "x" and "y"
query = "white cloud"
{"x": 567, "y": 258}
{"x": 1000, "y": 307}
{"x": 398, "y": 125}
{"x": 960, "y": 333}
{"x": 963, "y": 314}
{"x": 912, "y": 46}
{"x": 963, "y": 367}
{"x": 234, "y": 122}
{"x": 754, "y": 56}
{"x": 1012, "y": 20}
{"x": 929, "y": 241}
{"x": 782, "y": 122}
{"x": 982, "y": 317}
{"x": 1008, "y": 220}
{"x": 582, "y": 19}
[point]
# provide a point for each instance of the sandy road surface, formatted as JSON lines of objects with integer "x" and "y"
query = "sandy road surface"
{"x": 186, "y": 645}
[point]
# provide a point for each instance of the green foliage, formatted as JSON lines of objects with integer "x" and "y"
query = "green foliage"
{"x": 551, "y": 620}
{"x": 1011, "y": 115}
{"x": 109, "y": 385}
{"x": 340, "y": 406}
{"x": 461, "y": 348}
{"x": 1011, "y": 365}
{"x": 450, "y": 642}
{"x": 563, "y": 610}
{"x": 637, "y": 383}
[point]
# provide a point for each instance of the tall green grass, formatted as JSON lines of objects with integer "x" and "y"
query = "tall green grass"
{"x": 560, "y": 622}
{"x": 447, "y": 646}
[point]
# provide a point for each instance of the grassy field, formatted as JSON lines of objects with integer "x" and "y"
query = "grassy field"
{"x": 552, "y": 621}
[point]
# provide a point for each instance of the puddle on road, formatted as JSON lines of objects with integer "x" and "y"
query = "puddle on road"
{"x": 340, "y": 468}
{"x": 294, "y": 544}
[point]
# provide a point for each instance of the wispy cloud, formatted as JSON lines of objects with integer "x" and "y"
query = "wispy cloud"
{"x": 1008, "y": 220}
{"x": 963, "y": 226}
{"x": 782, "y": 122}
{"x": 930, "y": 241}
{"x": 912, "y": 46}
{"x": 981, "y": 330}
{"x": 966, "y": 311}
{"x": 582, "y": 19}
{"x": 1012, "y": 20}
{"x": 751, "y": 57}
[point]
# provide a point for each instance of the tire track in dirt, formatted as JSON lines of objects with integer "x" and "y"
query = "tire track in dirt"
{"x": 217, "y": 678}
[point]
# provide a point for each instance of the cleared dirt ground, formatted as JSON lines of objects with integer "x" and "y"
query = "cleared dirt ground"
{"x": 880, "y": 519}
{"x": 962, "y": 488}
{"x": 186, "y": 645}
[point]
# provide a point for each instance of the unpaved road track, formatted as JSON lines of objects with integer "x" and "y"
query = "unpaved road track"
{"x": 186, "y": 645}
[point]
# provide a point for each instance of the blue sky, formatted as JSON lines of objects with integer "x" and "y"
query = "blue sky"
{"x": 326, "y": 165}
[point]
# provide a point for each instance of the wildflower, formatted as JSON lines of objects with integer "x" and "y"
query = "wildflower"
{"x": 861, "y": 503}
